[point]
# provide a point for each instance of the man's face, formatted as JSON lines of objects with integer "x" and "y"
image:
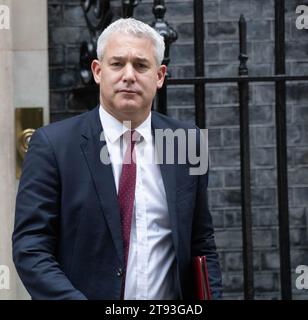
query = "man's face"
{"x": 128, "y": 76}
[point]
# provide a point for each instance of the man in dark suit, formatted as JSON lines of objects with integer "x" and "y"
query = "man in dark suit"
{"x": 94, "y": 218}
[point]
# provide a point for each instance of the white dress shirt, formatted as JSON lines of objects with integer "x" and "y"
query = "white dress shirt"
{"x": 151, "y": 267}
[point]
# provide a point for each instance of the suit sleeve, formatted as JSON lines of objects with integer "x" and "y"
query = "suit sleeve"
{"x": 203, "y": 240}
{"x": 37, "y": 223}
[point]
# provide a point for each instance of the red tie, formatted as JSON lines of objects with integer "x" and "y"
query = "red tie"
{"x": 126, "y": 195}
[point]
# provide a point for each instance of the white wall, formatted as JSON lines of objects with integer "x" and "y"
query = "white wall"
{"x": 23, "y": 83}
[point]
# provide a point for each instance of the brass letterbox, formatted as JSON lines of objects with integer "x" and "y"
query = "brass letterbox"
{"x": 27, "y": 120}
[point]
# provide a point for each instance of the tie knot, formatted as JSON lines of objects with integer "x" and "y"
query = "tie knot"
{"x": 131, "y": 136}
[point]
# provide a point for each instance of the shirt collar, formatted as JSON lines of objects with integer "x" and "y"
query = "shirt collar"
{"x": 114, "y": 129}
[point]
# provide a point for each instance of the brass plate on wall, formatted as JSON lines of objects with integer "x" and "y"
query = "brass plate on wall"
{"x": 27, "y": 120}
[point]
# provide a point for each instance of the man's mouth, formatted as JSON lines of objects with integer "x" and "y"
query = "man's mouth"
{"x": 129, "y": 91}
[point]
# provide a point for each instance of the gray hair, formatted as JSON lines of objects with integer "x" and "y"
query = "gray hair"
{"x": 134, "y": 27}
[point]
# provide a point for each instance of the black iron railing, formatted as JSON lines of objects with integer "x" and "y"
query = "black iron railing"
{"x": 281, "y": 149}
{"x": 170, "y": 35}
{"x": 199, "y": 63}
{"x": 243, "y": 88}
{"x": 281, "y": 141}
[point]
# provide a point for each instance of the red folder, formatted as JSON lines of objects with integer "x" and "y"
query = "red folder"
{"x": 201, "y": 280}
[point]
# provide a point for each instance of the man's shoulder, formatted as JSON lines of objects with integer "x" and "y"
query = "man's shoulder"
{"x": 164, "y": 121}
{"x": 67, "y": 132}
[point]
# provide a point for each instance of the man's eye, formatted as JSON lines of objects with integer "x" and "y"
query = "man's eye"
{"x": 116, "y": 64}
{"x": 141, "y": 66}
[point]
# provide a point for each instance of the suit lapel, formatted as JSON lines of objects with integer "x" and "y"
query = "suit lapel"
{"x": 102, "y": 176}
{"x": 168, "y": 172}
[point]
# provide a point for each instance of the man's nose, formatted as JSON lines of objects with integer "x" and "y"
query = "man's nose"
{"x": 129, "y": 73}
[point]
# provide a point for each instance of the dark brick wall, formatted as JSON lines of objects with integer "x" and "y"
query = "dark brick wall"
{"x": 67, "y": 30}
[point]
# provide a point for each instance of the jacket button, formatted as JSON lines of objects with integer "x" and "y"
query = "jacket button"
{"x": 120, "y": 272}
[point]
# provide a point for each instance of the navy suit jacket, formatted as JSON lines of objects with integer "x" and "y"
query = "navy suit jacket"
{"x": 67, "y": 241}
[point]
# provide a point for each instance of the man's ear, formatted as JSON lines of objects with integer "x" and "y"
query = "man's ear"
{"x": 96, "y": 70}
{"x": 161, "y": 73}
